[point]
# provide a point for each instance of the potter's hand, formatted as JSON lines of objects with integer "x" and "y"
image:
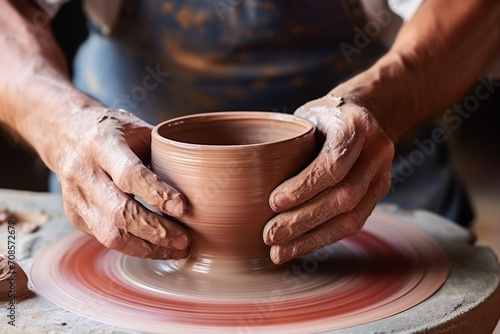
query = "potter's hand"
{"x": 96, "y": 153}
{"x": 99, "y": 170}
{"x": 332, "y": 197}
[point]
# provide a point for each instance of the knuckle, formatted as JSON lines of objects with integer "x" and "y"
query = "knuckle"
{"x": 95, "y": 133}
{"x": 92, "y": 138}
{"x": 384, "y": 185}
{"x": 365, "y": 120}
{"x": 124, "y": 177}
{"x": 71, "y": 214}
{"x": 118, "y": 214}
{"x": 352, "y": 224}
{"x": 329, "y": 168}
{"x": 387, "y": 149}
{"x": 303, "y": 183}
{"x": 347, "y": 199}
{"x": 114, "y": 240}
{"x": 71, "y": 169}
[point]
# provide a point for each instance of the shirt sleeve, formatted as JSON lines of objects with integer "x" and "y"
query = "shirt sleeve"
{"x": 51, "y": 7}
{"x": 405, "y": 8}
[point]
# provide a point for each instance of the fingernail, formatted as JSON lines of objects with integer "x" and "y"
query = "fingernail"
{"x": 175, "y": 208}
{"x": 281, "y": 200}
{"x": 179, "y": 242}
{"x": 281, "y": 233}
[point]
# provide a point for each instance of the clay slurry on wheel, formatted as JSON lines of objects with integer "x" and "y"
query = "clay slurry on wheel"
{"x": 389, "y": 267}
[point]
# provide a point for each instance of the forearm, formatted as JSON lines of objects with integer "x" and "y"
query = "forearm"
{"x": 35, "y": 90}
{"x": 434, "y": 60}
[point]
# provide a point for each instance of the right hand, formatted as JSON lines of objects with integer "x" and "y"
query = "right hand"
{"x": 99, "y": 165}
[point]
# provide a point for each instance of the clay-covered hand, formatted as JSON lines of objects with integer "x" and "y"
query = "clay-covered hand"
{"x": 334, "y": 195}
{"x": 100, "y": 167}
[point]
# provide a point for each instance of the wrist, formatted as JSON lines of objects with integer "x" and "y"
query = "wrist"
{"x": 387, "y": 91}
{"x": 53, "y": 116}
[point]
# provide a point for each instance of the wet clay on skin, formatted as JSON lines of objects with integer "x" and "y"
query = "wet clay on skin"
{"x": 227, "y": 164}
{"x": 389, "y": 267}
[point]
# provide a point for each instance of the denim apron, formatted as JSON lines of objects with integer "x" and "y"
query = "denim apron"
{"x": 170, "y": 58}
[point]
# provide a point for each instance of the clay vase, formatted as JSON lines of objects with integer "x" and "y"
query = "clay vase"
{"x": 227, "y": 164}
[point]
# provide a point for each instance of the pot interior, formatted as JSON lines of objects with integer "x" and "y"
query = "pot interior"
{"x": 234, "y": 129}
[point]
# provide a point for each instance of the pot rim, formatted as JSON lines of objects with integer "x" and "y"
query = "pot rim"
{"x": 309, "y": 127}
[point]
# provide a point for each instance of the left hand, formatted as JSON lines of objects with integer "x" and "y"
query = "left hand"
{"x": 333, "y": 196}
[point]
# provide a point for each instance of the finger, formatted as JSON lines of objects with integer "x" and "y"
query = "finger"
{"x": 74, "y": 202}
{"x": 139, "y": 140}
{"x": 331, "y": 202}
{"x": 79, "y": 222}
{"x": 128, "y": 215}
{"x": 333, "y": 230}
{"x": 138, "y": 131}
{"x": 332, "y": 164}
{"x": 131, "y": 176}
{"x": 115, "y": 238}
{"x": 110, "y": 236}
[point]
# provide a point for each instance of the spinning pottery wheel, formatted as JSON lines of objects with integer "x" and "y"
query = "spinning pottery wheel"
{"x": 387, "y": 278}
{"x": 467, "y": 302}
{"x": 393, "y": 276}
{"x": 387, "y": 268}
